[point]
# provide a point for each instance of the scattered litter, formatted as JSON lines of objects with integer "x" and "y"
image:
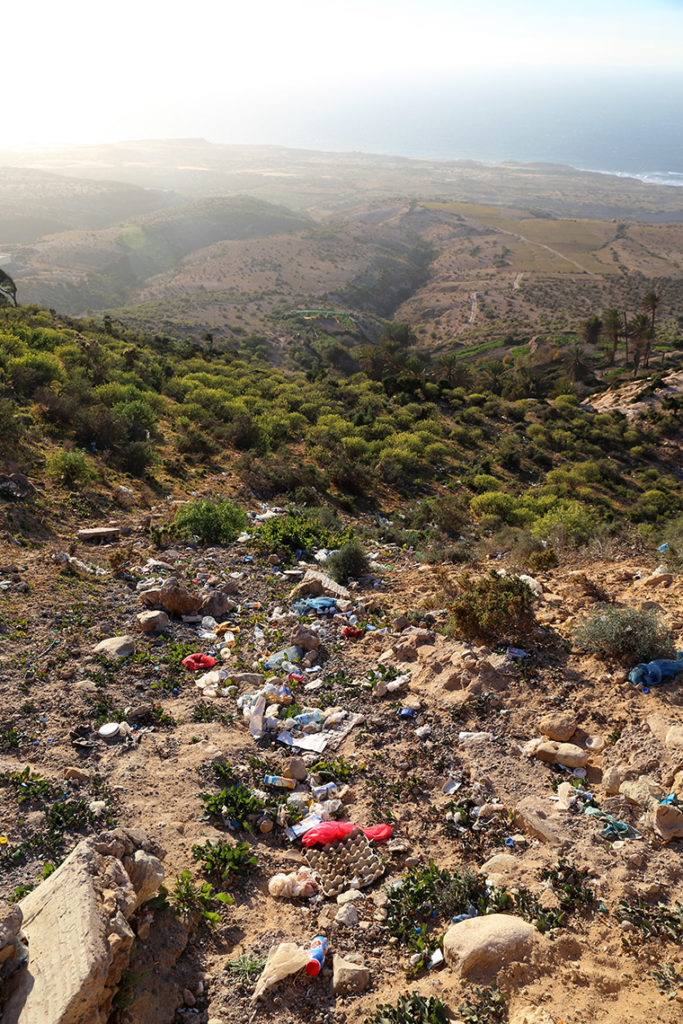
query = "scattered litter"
{"x": 283, "y": 960}
{"x": 195, "y": 662}
{"x": 331, "y": 830}
{"x": 654, "y": 672}
{"x": 346, "y": 863}
{"x": 298, "y": 884}
{"x": 316, "y": 956}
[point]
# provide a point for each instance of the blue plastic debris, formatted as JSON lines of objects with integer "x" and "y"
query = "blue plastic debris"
{"x": 407, "y": 713}
{"x": 314, "y": 604}
{"x": 654, "y": 672}
{"x": 663, "y": 547}
{"x": 516, "y": 652}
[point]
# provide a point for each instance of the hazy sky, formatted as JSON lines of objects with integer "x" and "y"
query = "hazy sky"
{"x": 254, "y": 71}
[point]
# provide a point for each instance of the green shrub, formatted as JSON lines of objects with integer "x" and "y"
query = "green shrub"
{"x": 222, "y": 860}
{"x": 625, "y": 634}
{"x": 568, "y": 524}
{"x": 33, "y": 371}
{"x": 494, "y": 503}
{"x": 300, "y": 530}
{"x": 493, "y": 608}
{"x": 70, "y": 468}
{"x": 483, "y": 482}
{"x": 212, "y": 522}
{"x": 350, "y": 562}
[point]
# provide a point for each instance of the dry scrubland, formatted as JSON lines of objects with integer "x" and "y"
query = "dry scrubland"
{"x": 506, "y": 501}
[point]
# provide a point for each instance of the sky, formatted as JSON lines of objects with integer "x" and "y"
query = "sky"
{"x": 270, "y": 71}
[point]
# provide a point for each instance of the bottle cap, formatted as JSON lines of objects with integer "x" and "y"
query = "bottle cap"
{"x": 313, "y": 968}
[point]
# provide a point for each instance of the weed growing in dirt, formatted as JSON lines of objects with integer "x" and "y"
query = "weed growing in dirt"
{"x": 659, "y": 921}
{"x": 30, "y": 787}
{"x": 11, "y": 738}
{"x": 625, "y": 634}
{"x": 204, "y": 712}
{"x": 339, "y": 770}
{"x": 493, "y": 608}
{"x": 669, "y": 981}
{"x": 412, "y": 1009}
{"x": 222, "y": 860}
{"x": 192, "y": 902}
{"x": 484, "y": 1006}
{"x": 234, "y": 802}
{"x": 211, "y": 522}
{"x": 246, "y": 967}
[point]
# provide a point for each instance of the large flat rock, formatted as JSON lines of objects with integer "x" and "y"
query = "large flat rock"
{"x": 79, "y": 937}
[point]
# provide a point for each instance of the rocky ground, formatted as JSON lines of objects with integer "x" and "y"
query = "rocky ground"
{"x": 441, "y": 749}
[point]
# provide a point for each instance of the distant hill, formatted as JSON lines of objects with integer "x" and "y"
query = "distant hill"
{"x": 80, "y": 270}
{"x": 34, "y": 203}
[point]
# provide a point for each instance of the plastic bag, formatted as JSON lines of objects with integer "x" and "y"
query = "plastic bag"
{"x": 283, "y": 960}
{"x": 328, "y": 831}
{"x": 193, "y": 662}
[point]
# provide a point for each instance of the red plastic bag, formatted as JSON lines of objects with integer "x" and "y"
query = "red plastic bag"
{"x": 328, "y": 831}
{"x": 351, "y": 633}
{"x": 194, "y": 662}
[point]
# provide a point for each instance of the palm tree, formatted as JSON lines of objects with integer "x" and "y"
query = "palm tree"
{"x": 611, "y": 328}
{"x": 641, "y": 332}
{"x": 649, "y": 304}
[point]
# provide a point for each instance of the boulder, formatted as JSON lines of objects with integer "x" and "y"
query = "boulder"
{"x": 483, "y": 945}
{"x": 553, "y": 752}
{"x": 116, "y": 647}
{"x": 79, "y": 937}
{"x": 174, "y": 598}
{"x": 560, "y": 725}
{"x": 348, "y": 978}
{"x": 216, "y": 603}
{"x": 659, "y": 726}
{"x": 153, "y": 622}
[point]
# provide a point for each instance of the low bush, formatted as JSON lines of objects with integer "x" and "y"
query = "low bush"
{"x": 412, "y": 1009}
{"x": 494, "y": 503}
{"x": 569, "y": 524}
{"x": 626, "y": 634}
{"x": 349, "y": 562}
{"x": 212, "y": 522}
{"x": 493, "y": 608}
{"x": 70, "y": 468}
{"x": 300, "y": 530}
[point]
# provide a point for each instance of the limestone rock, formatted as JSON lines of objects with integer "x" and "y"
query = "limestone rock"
{"x": 305, "y": 637}
{"x": 560, "y": 725}
{"x": 319, "y": 584}
{"x": 612, "y": 779}
{"x": 482, "y": 945}
{"x": 174, "y": 598}
{"x": 553, "y": 752}
{"x": 534, "y": 816}
{"x": 99, "y": 533}
{"x": 76, "y": 774}
{"x": 667, "y": 822}
{"x": 348, "y": 896}
{"x": 659, "y": 726}
{"x": 146, "y": 873}
{"x": 674, "y": 737}
{"x": 347, "y": 916}
{"x": 216, "y": 603}
{"x": 12, "y": 950}
{"x": 116, "y": 647}
{"x": 295, "y": 768}
{"x": 153, "y": 621}
{"x": 644, "y": 792}
{"x": 348, "y": 978}
{"x": 78, "y": 932}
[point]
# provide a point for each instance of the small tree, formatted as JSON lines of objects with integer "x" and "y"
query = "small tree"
{"x": 8, "y": 289}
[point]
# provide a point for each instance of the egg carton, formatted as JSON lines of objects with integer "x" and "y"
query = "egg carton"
{"x": 348, "y": 863}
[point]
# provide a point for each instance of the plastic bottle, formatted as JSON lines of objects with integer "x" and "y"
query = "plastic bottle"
{"x": 306, "y": 717}
{"x": 279, "y": 781}
{"x": 316, "y": 955}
